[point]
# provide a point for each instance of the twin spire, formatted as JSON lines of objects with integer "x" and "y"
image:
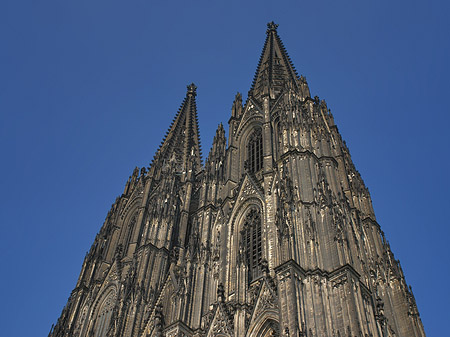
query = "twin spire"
{"x": 275, "y": 71}
{"x": 182, "y": 141}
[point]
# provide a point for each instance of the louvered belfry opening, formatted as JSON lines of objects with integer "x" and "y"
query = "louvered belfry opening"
{"x": 255, "y": 151}
{"x": 253, "y": 243}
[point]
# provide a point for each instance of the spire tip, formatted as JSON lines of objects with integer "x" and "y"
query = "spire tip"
{"x": 192, "y": 89}
{"x": 271, "y": 27}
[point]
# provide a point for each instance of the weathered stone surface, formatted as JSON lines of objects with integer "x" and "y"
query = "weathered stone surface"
{"x": 274, "y": 236}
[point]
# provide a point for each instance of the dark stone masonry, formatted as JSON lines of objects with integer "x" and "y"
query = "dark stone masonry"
{"x": 275, "y": 235}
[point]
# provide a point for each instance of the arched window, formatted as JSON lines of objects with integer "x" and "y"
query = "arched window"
{"x": 279, "y": 139}
{"x": 255, "y": 151}
{"x": 130, "y": 231}
{"x": 251, "y": 235}
{"x": 270, "y": 328}
{"x": 104, "y": 315}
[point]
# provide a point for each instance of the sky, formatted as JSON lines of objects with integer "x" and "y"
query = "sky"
{"x": 88, "y": 89}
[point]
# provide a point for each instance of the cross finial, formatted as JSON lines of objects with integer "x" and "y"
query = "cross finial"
{"x": 271, "y": 26}
{"x": 192, "y": 89}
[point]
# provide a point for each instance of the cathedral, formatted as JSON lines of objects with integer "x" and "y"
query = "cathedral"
{"x": 273, "y": 235}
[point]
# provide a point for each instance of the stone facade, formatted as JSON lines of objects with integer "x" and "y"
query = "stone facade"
{"x": 275, "y": 235}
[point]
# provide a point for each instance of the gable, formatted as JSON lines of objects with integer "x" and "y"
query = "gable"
{"x": 266, "y": 310}
{"x": 221, "y": 324}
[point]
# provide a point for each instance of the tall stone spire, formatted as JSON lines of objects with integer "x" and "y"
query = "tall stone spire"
{"x": 182, "y": 141}
{"x": 275, "y": 69}
{"x": 274, "y": 236}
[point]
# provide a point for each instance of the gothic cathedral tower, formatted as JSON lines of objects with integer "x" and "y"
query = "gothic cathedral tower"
{"x": 275, "y": 235}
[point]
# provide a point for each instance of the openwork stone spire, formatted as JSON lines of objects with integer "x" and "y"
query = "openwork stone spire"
{"x": 182, "y": 140}
{"x": 275, "y": 70}
{"x": 274, "y": 236}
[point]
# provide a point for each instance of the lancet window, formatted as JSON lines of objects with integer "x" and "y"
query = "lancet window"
{"x": 131, "y": 225}
{"x": 252, "y": 237}
{"x": 104, "y": 315}
{"x": 255, "y": 151}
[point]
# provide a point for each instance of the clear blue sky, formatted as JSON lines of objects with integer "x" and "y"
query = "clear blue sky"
{"x": 89, "y": 87}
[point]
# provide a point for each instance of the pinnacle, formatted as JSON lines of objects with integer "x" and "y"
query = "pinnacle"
{"x": 271, "y": 27}
{"x": 220, "y": 130}
{"x": 192, "y": 89}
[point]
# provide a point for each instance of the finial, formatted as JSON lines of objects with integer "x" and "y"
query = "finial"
{"x": 265, "y": 267}
{"x": 220, "y": 292}
{"x": 192, "y": 89}
{"x": 271, "y": 26}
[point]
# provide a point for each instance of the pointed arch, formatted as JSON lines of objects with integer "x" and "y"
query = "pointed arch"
{"x": 255, "y": 151}
{"x": 266, "y": 325}
{"x": 103, "y": 312}
{"x": 251, "y": 236}
{"x": 131, "y": 224}
{"x": 82, "y": 321}
{"x": 270, "y": 328}
{"x": 237, "y": 270}
{"x": 131, "y": 230}
{"x": 250, "y": 126}
{"x": 277, "y": 136}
